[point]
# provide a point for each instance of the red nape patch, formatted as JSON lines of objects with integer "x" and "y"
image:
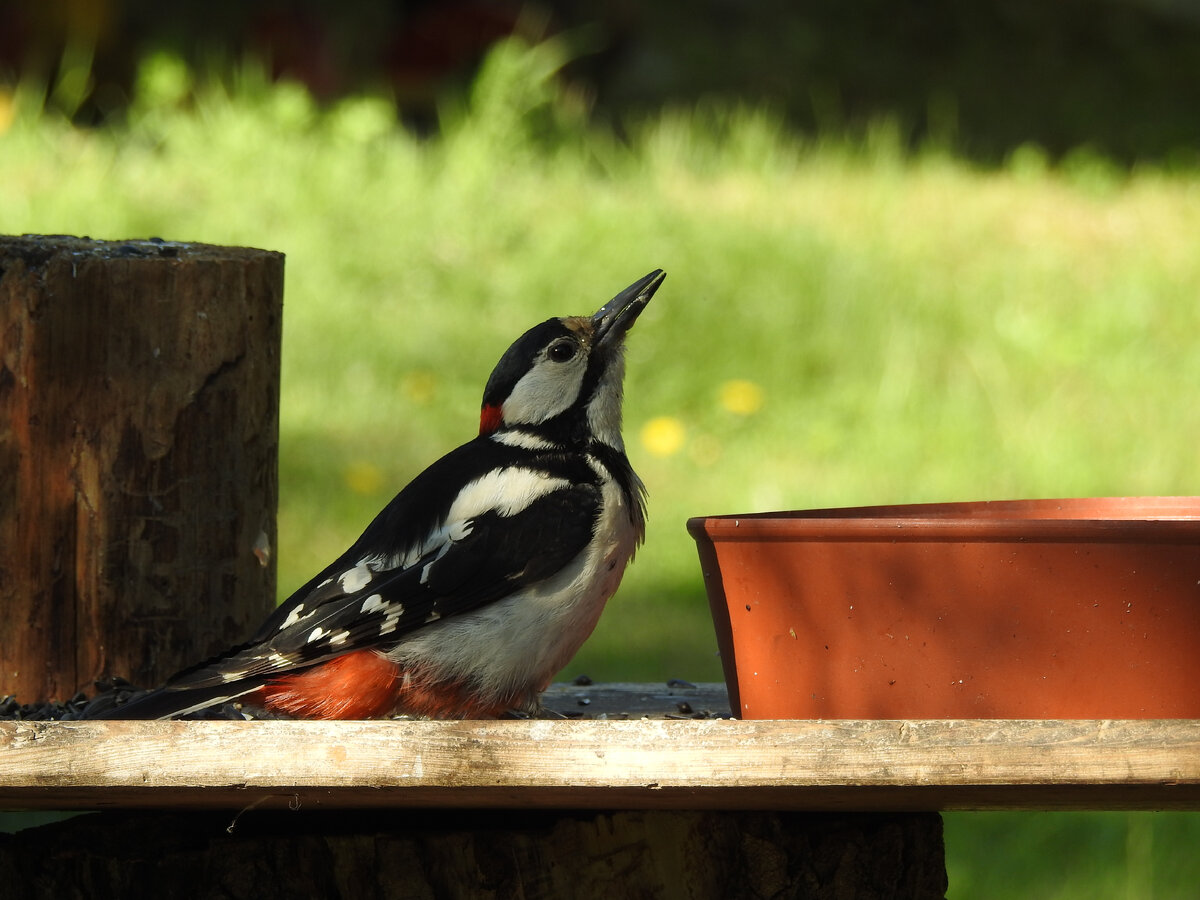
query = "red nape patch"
{"x": 360, "y": 685}
{"x": 490, "y": 418}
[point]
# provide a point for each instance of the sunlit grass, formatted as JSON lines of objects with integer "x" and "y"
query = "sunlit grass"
{"x": 1072, "y": 856}
{"x": 842, "y": 323}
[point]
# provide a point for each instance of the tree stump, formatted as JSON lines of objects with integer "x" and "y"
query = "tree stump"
{"x": 494, "y": 854}
{"x": 139, "y": 388}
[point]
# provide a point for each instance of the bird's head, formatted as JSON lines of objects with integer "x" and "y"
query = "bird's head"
{"x": 562, "y": 379}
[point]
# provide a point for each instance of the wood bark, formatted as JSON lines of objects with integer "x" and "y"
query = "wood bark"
{"x": 138, "y": 443}
{"x": 493, "y": 854}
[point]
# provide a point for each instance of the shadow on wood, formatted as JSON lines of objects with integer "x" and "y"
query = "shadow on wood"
{"x": 478, "y": 853}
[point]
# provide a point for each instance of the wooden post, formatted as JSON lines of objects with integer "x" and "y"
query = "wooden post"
{"x": 138, "y": 442}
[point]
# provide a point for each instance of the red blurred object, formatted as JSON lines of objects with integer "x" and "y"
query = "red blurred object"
{"x": 297, "y": 43}
{"x": 1036, "y": 609}
{"x": 445, "y": 41}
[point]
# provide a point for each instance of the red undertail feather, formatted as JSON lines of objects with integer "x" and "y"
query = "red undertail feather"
{"x": 364, "y": 684}
{"x": 448, "y": 700}
{"x": 361, "y": 684}
{"x": 490, "y": 418}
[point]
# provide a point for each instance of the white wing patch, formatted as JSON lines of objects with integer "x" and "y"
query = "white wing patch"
{"x": 354, "y": 580}
{"x": 391, "y": 609}
{"x": 293, "y": 617}
{"x": 373, "y": 604}
{"x": 505, "y": 492}
{"x": 391, "y": 620}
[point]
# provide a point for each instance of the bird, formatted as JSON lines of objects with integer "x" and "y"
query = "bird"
{"x": 482, "y": 577}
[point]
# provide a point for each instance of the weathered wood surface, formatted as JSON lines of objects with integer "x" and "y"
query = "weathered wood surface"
{"x": 138, "y": 443}
{"x": 530, "y": 855}
{"x": 673, "y": 699}
{"x": 714, "y": 763}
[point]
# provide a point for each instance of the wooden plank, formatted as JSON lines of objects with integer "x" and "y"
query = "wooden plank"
{"x": 674, "y": 699}
{"x": 638, "y": 763}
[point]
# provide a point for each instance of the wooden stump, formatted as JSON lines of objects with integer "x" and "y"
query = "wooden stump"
{"x": 480, "y": 853}
{"x": 138, "y": 442}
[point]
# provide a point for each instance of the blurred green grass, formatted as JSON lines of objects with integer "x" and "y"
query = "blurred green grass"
{"x": 1072, "y": 856}
{"x": 899, "y": 326}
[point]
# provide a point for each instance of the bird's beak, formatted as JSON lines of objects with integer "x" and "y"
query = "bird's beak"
{"x": 617, "y": 316}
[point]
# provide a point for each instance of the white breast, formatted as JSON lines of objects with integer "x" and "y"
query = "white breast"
{"x": 516, "y": 645}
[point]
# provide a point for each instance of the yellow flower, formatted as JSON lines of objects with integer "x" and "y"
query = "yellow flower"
{"x": 740, "y": 397}
{"x": 663, "y": 436}
{"x": 363, "y": 478}
{"x": 8, "y": 110}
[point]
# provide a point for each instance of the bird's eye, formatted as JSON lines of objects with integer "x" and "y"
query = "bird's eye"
{"x": 562, "y": 351}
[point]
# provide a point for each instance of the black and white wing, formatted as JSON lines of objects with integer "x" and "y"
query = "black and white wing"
{"x": 507, "y": 527}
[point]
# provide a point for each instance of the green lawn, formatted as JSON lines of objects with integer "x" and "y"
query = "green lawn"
{"x": 843, "y": 323}
{"x": 1072, "y": 856}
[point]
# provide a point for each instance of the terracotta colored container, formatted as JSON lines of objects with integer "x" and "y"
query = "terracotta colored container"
{"x": 1016, "y": 609}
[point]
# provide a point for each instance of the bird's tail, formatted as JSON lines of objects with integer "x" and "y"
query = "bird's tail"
{"x": 171, "y": 703}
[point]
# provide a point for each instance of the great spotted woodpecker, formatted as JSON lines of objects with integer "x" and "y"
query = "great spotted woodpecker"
{"x": 480, "y": 579}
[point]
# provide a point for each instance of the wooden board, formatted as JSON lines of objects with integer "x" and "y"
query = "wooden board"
{"x": 636, "y": 763}
{"x": 674, "y": 699}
